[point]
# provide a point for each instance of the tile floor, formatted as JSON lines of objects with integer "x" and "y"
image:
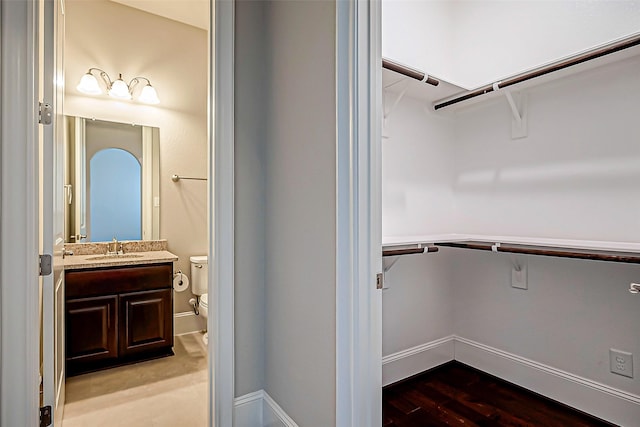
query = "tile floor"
{"x": 172, "y": 391}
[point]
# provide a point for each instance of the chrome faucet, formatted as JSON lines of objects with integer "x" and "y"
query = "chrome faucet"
{"x": 114, "y": 247}
{"x": 66, "y": 252}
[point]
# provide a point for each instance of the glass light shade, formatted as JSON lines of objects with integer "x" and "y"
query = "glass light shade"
{"x": 149, "y": 95}
{"x": 119, "y": 89}
{"x": 89, "y": 85}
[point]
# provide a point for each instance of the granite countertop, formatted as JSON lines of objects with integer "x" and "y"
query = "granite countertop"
{"x": 93, "y": 255}
{"x": 75, "y": 262}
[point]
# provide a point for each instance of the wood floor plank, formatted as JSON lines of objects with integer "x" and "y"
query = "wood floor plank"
{"x": 458, "y": 395}
{"x": 532, "y": 407}
{"x": 438, "y": 408}
{"x": 478, "y": 404}
{"x": 526, "y": 406}
{"x": 399, "y": 401}
{"x": 452, "y": 404}
{"x": 520, "y": 405}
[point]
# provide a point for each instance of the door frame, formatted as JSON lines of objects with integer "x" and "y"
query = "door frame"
{"x": 19, "y": 207}
{"x": 221, "y": 213}
{"x": 19, "y": 274}
{"x": 358, "y": 213}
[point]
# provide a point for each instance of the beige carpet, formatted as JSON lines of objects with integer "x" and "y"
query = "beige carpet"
{"x": 172, "y": 391}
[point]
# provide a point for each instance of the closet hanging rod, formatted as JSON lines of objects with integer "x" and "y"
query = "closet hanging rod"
{"x": 595, "y": 53}
{"x": 408, "y": 251}
{"x": 176, "y": 178}
{"x": 558, "y": 252}
{"x": 409, "y": 72}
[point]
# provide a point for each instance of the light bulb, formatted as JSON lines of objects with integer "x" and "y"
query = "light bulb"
{"x": 119, "y": 89}
{"x": 89, "y": 85}
{"x": 149, "y": 95}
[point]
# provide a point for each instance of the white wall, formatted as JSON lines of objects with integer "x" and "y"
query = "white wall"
{"x": 300, "y": 149}
{"x": 471, "y": 43}
{"x": 419, "y": 294}
{"x": 174, "y": 57}
{"x": 417, "y": 170}
{"x": 417, "y": 304}
{"x": 250, "y": 197}
{"x": 495, "y": 39}
{"x": 573, "y": 177}
{"x": 420, "y": 34}
{"x": 572, "y": 314}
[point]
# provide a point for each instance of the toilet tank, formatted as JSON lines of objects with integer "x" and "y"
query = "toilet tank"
{"x": 199, "y": 274}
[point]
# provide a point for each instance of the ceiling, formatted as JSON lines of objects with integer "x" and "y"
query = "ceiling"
{"x": 191, "y": 12}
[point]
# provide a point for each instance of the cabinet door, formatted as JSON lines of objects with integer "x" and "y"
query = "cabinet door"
{"x": 146, "y": 321}
{"x": 92, "y": 327}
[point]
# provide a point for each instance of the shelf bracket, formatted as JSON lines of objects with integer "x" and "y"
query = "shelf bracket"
{"x": 387, "y": 113}
{"x": 518, "y": 110}
{"x": 391, "y": 256}
{"x": 387, "y": 263}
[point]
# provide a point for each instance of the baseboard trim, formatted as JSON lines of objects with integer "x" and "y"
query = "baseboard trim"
{"x": 248, "y": 410}
{"x": 187, "y": 322}
{"x": 274, "y": 415}
{"x": 259, "y": 409}
{"x": 405, "y": 363}
{"x": 249, "y": 398}
{"x": 595, "y": 398}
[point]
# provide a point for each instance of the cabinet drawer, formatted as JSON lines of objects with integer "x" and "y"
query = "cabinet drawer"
{"x": 115, "y": 280}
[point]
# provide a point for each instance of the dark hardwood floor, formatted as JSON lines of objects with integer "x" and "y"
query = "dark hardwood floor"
{"x": 458, "y": 395}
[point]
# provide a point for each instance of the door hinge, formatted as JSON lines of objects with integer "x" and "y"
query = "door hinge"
{"x": 45, "y": 416}
{"x": 45, "y": 112}
{"x": 45, "y": 264}
{"x": 379, "y": 280}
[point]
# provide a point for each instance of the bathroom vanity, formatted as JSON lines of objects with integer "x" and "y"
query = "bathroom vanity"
{"x": 118, "y": 309}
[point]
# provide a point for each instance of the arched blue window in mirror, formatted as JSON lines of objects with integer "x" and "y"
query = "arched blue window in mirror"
{"x": 115, "y": 196}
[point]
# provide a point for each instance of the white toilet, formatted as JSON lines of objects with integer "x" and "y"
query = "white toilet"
{"x": 199, "y": 285}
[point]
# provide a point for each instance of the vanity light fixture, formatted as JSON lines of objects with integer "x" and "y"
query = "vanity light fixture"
{"x": 117, "y": 88}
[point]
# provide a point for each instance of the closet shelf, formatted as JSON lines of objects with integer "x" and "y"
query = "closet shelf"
{"x": 619, "y": 252}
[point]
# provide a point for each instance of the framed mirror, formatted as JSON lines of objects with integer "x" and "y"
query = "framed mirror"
{"x": 112, "y": 181}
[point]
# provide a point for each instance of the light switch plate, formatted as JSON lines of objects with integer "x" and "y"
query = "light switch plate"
{"x": 519, "y": 276}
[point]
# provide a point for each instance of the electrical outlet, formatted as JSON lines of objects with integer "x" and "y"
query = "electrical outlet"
{"x": 519, "y": 276}
{"x": 621, "y": 362}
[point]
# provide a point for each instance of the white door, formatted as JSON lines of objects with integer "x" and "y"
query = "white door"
{"x": 52, "y": 205}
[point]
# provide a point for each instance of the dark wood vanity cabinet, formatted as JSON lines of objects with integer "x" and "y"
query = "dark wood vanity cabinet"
{"x": 118, "y": 315}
